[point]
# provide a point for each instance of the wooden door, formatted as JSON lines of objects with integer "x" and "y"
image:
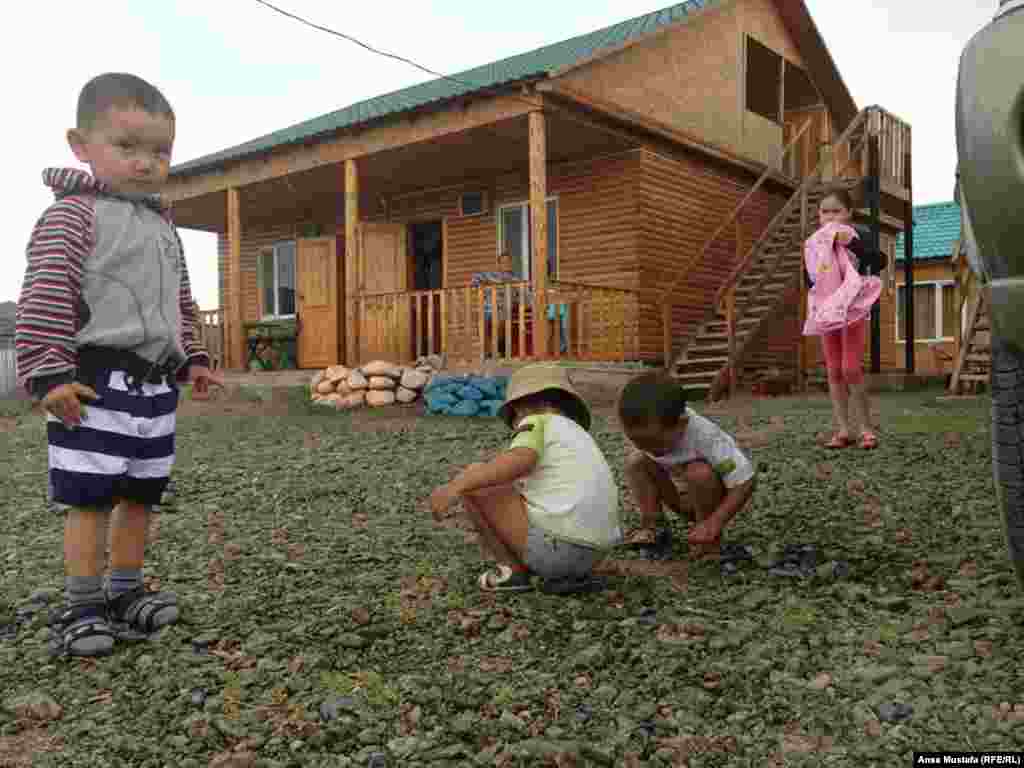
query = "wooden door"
{"x": 803, "y": 157}
{"x": 385, "y": 319}
{"x": 316, "y": 267}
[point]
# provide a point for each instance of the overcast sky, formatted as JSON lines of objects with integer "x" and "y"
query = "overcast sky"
{"x": 234, "y": 70}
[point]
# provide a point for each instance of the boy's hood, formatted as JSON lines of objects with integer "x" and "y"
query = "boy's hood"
{"x": 72, "y": 181}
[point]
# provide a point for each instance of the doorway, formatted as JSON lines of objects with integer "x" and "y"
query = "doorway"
{"x": 426, "y": 239}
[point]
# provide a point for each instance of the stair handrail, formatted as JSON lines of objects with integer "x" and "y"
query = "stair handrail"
{"x": 768, "y": 171}
{"x": 767, "y": 274}
{"x": 779, "y": 217}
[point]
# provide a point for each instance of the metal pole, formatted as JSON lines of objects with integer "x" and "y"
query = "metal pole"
{"x": 908, "y": 264}
{"x": 875, "y": 185}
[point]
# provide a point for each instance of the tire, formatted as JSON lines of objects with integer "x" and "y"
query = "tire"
{"x": 1008, "y": 447}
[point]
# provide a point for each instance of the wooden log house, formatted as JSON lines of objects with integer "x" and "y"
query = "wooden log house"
{"x": 646, "y": 179}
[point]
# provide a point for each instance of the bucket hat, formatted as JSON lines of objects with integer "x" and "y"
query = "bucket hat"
{"x": 534, "y": 379}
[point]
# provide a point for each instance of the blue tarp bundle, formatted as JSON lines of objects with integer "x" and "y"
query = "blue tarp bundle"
{"x": 465, "y": 395}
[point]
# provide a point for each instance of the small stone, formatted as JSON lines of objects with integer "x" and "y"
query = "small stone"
{"x": 35, "y": 706}
{"x": 351, "y": 640}
{"x": 332, "y": 708}
{"x": 606, "y": 692}
{"x": 377, "y": 760}
{"x": 584, "y": 713}
{"x": 404, "y": 746}
{"x": 963, "y": 615}
{"x": 510, "y": 721}
{"x": 878, "y": 674}
{"x": 894, "y": 712}
{"x": 42, "y": 596}
{"x": 590, "y": 655}
{"x": 198, "y": 697}
{"x": 204, "y": 641}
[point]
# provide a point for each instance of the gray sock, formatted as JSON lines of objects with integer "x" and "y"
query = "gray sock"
{"x": 122, "y": 581}
{"x": 82, "y": 592}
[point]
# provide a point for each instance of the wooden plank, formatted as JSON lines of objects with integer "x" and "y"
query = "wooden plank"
{"x": 236, "y": 334}
{"x": 522, "y": 321}
{"x": 444, "y": 322}
{"x": 430, "y": 322}
{"x": 480, "y": 325}
{"x": 539, "y": 219}
{"x": 352, "y": 259}
{"x": 506, "y": 320}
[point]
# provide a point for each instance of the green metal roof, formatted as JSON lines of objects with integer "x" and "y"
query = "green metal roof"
{"x": 936, "y": 230}
{"x": 538, "y": 63}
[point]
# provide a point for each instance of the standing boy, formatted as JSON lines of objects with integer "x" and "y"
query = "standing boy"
{"x": 106, "y": 317}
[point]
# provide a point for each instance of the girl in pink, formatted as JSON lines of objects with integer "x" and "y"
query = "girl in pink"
{"x": 838, "y": 307}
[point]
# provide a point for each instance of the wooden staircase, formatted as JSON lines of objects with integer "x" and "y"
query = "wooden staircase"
{"x": 759, "y": 295}
{"x": 763, "y": 283}
{"x": 973, "y": 367}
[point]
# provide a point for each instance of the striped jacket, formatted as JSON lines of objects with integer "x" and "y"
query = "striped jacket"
{"x": 103, "y": 271}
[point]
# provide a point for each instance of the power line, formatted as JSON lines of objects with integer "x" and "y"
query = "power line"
{"x": 361, "y": 44}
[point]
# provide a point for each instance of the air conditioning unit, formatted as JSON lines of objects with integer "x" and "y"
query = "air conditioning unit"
{"x": 472, "y": 203}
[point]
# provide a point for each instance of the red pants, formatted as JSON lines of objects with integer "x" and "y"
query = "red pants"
{"x": 844, "y": 353}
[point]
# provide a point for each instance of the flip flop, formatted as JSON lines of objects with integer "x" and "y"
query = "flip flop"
{"x": 868, "y": 441}
{"x": 504, "y": 579}
{"x": 573, "y": 586}
{"x": 641, "y": 537}
{"x": 838, "y": 442}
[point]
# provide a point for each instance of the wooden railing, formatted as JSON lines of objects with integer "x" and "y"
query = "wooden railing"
{"x": 211, "y": 334}
{"x": 726, "y": 292}
{"x": 581, "y": 322}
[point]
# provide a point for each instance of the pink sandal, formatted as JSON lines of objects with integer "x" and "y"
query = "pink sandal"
{"x": 868, "y": 441}
{"x": 839, "y": 441}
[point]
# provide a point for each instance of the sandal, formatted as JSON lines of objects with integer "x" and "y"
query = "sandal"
{"x": 573, "y": 585}
{"x": 868, "y": 441}
{"x": 838, "y": 442}
{"x": 504, "y": 579}
{"x": 82, "y": 630}
{"x": 641, "y": 537}
{"x": 138, "y": 613}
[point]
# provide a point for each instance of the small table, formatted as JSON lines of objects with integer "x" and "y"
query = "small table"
{"x": 279, "y": 335}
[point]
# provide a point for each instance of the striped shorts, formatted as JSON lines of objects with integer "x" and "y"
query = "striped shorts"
{"x": 123, "y": 449}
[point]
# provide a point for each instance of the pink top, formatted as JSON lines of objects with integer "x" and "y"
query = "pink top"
{"x": 840, "y": 297}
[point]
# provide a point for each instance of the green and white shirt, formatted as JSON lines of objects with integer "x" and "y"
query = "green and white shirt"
{"x": 571, "y": 493}
{"x": 704, "y": 440}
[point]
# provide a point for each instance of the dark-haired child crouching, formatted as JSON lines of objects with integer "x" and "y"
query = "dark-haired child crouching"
{"x": 674, "y": 442}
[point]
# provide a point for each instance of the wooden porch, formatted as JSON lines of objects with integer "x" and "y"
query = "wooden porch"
{"x": 573, "y": 321}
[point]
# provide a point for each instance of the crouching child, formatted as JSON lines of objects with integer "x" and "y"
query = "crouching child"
{"x": 548, "y": 505}
{"x": 676, "y": 443}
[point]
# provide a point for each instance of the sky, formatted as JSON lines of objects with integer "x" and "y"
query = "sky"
{"x": 234, "y": 70}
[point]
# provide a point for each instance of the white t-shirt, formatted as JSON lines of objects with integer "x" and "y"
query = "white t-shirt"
{"x": 704, "y": 440}
{"x": 571, "y": 493}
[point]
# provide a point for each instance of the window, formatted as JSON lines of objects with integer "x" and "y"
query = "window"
{"x": 514, "y": 236}
{"x": 935, "y": 314}
{"x": 277, "y": 280}
{"x": 764, "y": 81}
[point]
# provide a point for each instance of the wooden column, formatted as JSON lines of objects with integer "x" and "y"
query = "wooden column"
{"x": 235, "y": 336}
{"x": 352, "y": 261}
{"x": 801, "y": 310}
{"x": 908, "y": 260}
{"x": 539, "y": 230}
{"x": 666, "y": 334}
{"x": 875, "y": 185}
